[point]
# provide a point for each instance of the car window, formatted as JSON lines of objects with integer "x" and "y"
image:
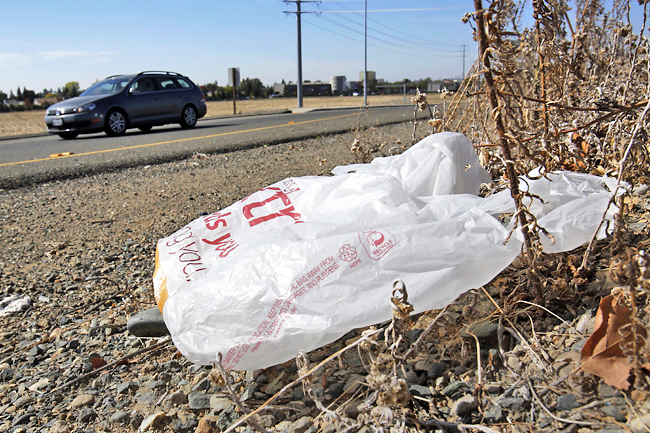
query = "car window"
{"x": 183, "y": 83}
{"x": 145, "y": 84}
{"x": 166, "y": 83}
{"x": 106, "y": 87}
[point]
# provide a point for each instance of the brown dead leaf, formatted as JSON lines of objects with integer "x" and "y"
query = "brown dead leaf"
{"x": 602, "y": 354}
{"x": 97, "y": 362}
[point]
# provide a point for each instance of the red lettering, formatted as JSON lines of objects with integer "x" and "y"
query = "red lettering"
{"x": 212, "y": 224}
{"x": 290, "y": 211}
{"x": 279, "y": 194}
{"x": 223, "y": 244}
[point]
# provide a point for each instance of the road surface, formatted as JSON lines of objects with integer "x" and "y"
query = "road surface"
{"x": 25, "y": 161}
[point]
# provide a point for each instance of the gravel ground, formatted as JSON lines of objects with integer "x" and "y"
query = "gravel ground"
{"x": 83, "y": 251}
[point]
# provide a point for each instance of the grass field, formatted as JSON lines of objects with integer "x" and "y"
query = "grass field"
{"x": 31, "y": 122}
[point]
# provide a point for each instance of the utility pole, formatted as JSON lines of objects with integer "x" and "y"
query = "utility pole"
{"x": 463, "y": 77}
{"x": 365, "y": 53}
{"x": 298, "y": 13}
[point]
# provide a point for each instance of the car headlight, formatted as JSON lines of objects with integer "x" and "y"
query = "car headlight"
{"x": 87, "y": 107}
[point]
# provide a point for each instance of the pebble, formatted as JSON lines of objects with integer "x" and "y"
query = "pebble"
{"x": 436, "y": 370}
{"x": 484, "y": 330}
{"x": 81, "y": 401}
{"x": 567, "y": 402}
{"x": 153, "y": 421}
{"x": 120, "y": 417}
{"x": 616, "y": 412}
{"x": 148, "y": 323}
{"x": 420, "y": 391}
{"x": 464, "y": 405}
{"x": 199, "y": 400}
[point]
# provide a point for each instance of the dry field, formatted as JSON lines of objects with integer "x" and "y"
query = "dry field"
{"x": 31, "y": 122}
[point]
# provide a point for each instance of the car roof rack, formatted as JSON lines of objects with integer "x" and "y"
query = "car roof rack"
{"x": 160, "y": 72}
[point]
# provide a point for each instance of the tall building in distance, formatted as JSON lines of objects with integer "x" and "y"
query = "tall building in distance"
{"x": 372, "y": 76}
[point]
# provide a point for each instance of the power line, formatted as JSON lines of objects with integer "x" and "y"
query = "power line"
{"x": 396, "y": 30}
{"x": 415, "y": 41}
{"x": 401, "y": 46}
{"x": 419, "y": 54}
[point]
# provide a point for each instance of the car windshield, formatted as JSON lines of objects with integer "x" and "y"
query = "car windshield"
{"x": 107, "y": 87}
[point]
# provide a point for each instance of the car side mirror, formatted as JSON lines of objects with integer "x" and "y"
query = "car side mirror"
{"x": 131, "y": 91}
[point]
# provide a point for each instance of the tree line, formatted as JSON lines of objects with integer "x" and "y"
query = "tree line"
{"x": 248, "y": 88}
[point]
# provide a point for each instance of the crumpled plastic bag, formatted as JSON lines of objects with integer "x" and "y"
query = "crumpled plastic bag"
{"x": 301, "y": 262}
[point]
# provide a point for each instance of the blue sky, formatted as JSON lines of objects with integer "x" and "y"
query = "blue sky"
{"x": 46, "y": 44}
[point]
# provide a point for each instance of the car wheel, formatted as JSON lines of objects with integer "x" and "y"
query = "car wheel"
{"x": 188, "y": 118}
{"x": 145, "y": 128}
{"x": 115, "y": 123}
{"x": 68, "y": 135}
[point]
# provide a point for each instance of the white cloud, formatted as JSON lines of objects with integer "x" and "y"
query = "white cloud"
{"x": 12, "y": 60}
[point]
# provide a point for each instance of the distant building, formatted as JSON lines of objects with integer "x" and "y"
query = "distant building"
{"x": 308, "y": 89}
{"x": 13, "y": 102}
{"x": 438, "y": 85}
{"x": 372, "y": 76}
{"x": 338, "y": 84}
{"x": 46, "y": 101}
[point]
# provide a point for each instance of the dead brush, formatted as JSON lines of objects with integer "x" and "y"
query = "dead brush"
{"x": 561, "y": 95}
{"x": 366, "y": 145}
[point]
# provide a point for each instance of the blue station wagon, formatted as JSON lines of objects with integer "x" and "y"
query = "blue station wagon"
{"x": 120, "y": 102}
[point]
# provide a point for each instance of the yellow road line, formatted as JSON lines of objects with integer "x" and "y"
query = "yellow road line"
{"x": 173, "y": 141}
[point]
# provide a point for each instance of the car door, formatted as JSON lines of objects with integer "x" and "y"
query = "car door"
{"x": 170, "y": 97}
{"x": 143, "y": 102}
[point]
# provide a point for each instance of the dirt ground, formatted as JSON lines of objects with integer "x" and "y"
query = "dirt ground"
{"x": 31, "y": 122}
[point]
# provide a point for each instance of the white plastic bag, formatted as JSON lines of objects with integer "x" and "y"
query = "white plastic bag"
{"x": 298, "y": 264}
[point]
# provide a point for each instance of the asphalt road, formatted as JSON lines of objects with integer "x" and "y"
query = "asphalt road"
{"x": 29, "y": 160}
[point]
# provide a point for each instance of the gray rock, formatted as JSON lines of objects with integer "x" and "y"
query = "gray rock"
{"x": 218, "y": 404}
{"x": 336, "y": 389}
{"x": 226, "y": 418}
{"x": 261, "y": 379}
{"x": 616, "y": 412}
{"x": 436, "y": 370}
{"x": 567, "y": 402}
{"x": 124, "y": 388}
{"x": 352, "y": 359}
{"x": 607, "y": 391}
{"x": 453, "y": 388}
{"x": 86, "y": 415}
{"x": 156, "y": 384}
{"x": 420, "y": 391}
{"x": 120, "y": 417}
{"x": 483, "y": 330}
{"x": 464, "y": 405}
{"x": 185, "y": 423}
{"x": 146, "y": 396}
{"x": 301, "y": 425}
{"x": 412, "y": 335}
{"x": 23, "y": 401}
{"x": 354, "y": 382}
{"x": 248, "y": 392}
{"x": 178, "y": 397}
{"x": 148, "y": 323}
{"x": 136, "y": 421}
{"x": 22, "y": 419}
{"x": 199, "y": 400}
{"x": 494, "y": 415}
{"x": 412, "y": 377}
{"x": 512, "y": 403}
